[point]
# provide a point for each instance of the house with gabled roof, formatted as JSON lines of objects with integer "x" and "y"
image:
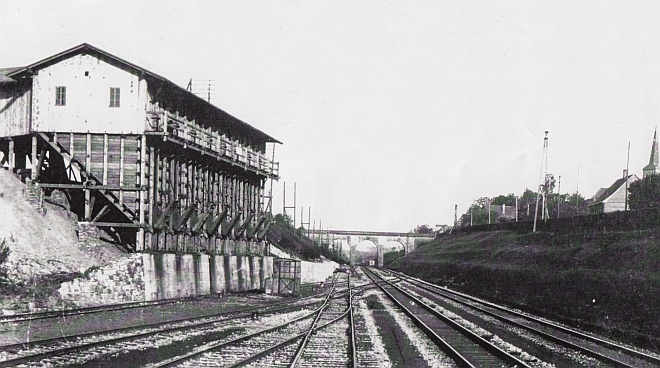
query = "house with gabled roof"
{"x": 613, "y": 198}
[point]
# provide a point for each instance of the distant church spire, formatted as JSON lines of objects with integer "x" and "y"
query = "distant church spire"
{"x": 654, "y": 161}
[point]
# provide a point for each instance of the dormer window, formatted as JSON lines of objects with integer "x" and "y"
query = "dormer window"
{"x": 114, "y": 97}
{"x": 60, "y": 96}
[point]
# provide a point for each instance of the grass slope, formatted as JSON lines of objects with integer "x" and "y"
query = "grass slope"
{"x": 607, "y": 282}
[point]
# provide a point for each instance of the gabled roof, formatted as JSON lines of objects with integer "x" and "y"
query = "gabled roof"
{"x": 3, "y": 75}
{"x": 179, "y": 96}
{"x": 603, "y": 195}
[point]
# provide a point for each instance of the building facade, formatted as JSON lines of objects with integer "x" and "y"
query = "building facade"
{"x": 147, "y": 162}
{"x": 614, "y": 197}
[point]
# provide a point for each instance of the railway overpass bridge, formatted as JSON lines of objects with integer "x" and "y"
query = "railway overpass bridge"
{"x": 354, "y": 237}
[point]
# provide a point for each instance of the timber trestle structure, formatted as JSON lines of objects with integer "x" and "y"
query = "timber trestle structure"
{"x": 146, "y": 161}
{"x": 150, "y": 191}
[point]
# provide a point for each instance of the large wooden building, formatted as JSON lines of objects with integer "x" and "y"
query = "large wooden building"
{"x": 154, "y": 166}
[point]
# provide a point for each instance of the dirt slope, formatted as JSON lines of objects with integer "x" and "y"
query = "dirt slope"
{"x": 43, "y": 246}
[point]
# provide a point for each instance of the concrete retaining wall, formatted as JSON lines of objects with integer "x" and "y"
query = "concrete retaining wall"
{"x": 166, "y": 275}
{"x": 316, "y": 272}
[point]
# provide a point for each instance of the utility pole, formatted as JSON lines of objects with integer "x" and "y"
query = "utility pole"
{"x": 290, "y": 207}
{"x": 626, "y": 178}
{"x": 541, "y": 179}
{"x": 558, "y": 195}
{"x": 577, "y": 192}
{"x": 516, "y": 208}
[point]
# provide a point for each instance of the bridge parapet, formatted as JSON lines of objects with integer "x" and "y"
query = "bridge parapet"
{"x": 379, "y": 238}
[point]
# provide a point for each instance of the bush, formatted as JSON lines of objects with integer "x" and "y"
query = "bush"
{"x": 4, "y": 251}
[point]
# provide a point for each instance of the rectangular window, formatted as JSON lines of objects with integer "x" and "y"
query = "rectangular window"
{"x": 114, "y": 97}
{"x": 60, "y": 96}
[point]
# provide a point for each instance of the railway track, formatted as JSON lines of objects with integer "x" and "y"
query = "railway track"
{"x": 23, "y": 317}
{"x": 550, "y": 334}
{"x": 304, "y": 341}
{"x": 466, "y": 348}
{"x": 84, "y": 348}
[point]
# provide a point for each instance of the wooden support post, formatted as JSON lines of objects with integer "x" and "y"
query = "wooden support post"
{"x": 33, "y": 159}
{"x": 88, "y": 153}
{"x": 121, "y": 169}
{"x": 88, "y": 205}
{"x": 12, "y": 156}
{"x": 105, "y": 159}
{"x": 40, "y": 164}
{"x": 153, "y": 170}
{"x": 71, "y": 137}
{"x": 140, "y": 243}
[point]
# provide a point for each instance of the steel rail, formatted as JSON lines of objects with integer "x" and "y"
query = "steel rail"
{"x": 460, "y": 360}
{"x": 351, "y": 321}
{"x": 285, "y": 343}
{"x": 55, "y": 352}
{"x": 217, "y": 345}
{"x": 464, "y": 331}
{"x": 305, "y": 339}
{"x": 21, "y": 317}
{"x": 428, "y": 286}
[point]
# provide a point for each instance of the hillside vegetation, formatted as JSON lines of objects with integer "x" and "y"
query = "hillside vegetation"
{"x": 607, "y": 282}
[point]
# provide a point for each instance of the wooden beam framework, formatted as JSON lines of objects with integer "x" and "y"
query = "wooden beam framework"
{"x": 169, "y": 197}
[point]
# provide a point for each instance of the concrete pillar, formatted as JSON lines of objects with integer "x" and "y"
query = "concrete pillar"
{"x": 202, "y": 275}
{"x": 168, "y": 276}
{"x": 243, "y": 273}
{"x": 217, "y": 270}
{"x": 231, "y": 267}
{"x": 255, "y": 270}
{"x": 379, "y": 262}
{"x": 187, "y": 276}
{"x": 266, "y": 274}
{"x": 149, "y": 277}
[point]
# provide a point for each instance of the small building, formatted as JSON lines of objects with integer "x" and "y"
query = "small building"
{"x": 613, "y": 198}
{"x": 287, "y": 276}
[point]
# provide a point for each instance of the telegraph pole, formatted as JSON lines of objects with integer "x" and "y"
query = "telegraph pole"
{"x": 558, "y": 195}
{"x": 541, "y": 179}
{"x": 626, "y": 178}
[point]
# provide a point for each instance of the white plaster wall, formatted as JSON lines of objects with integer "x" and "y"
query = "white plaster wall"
{"x": 316, "y": 271}
{"x": 14, "y": 109}
{"x": 88, "y": 98}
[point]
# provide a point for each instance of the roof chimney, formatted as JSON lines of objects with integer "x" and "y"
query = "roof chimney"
{"x": 625, "y": 173}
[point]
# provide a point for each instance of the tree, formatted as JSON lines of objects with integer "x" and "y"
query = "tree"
{"x": 477, "y": 214}
{"x": 508, "y": 200}
{"x": 283, "y": 221}
{"x": 644, "y": 193}
{"x": 423, "y": 229}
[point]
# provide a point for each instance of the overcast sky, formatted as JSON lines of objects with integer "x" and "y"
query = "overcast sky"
{"x": 392, "y": 112}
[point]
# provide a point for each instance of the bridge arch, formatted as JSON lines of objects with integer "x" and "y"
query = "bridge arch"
{"x": 354, "y": 238}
